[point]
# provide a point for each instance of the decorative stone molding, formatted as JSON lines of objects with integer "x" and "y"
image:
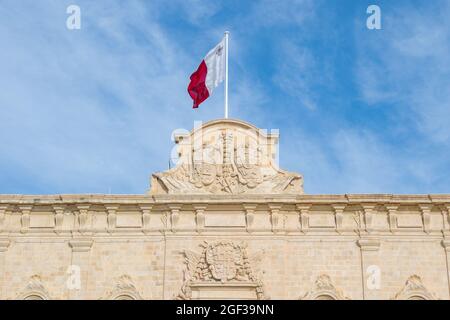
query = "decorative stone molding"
{"x": 368, "y": 217}
{"x": 392, "y": 216}
{"x": 226, "y": 157}
{"x": 369, "y": 244}
{"x": 124, "y": 289}
{"x": 2, "y": 217}
{"x": 445, "y": 209}
{"x": 25, "y": 218}
{"x": 59, "y": 218}
{"x": 249, "y": 215}
{"x": 34, "y": 290}
{"x": 4, "y": 244}
{"x": 221, "y": 264}
{"x": 200, "y": 217}
{"x": 426, "y": 210}
{"x": 414, "y": 289}
{"x": 81, "y": 245}
{"x": 146, "y": 217}
{"x": 82, "y": 216}
{"x": 111, "y": 217}
{"x": 275, "y": 217}
{"x": 338, "y": 215}
{"x": 303, "y": 210}
{"x": 174, "y": 216}
{"x": 446, "y": 244}
{"x": 324, "y": 289}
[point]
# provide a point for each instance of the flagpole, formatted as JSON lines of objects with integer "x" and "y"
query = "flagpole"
{"x": 226, "y": 74}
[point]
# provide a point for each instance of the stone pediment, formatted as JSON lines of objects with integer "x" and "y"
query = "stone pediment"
{"x": 226, "y": 157}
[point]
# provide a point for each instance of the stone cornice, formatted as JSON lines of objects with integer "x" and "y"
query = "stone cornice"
{"x": 284, "y": 214}
{"x": 263, "y": 198}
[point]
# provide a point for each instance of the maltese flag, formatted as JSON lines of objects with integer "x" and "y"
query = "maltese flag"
{"x": 209, "y": 74}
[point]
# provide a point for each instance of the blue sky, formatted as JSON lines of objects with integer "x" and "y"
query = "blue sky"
{"x": 92, "y": 110}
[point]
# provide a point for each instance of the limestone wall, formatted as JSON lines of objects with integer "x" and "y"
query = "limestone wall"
{"x": 271, "y": 247}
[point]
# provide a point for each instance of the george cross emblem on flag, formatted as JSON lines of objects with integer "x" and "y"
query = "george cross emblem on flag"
{"x": 219, "y": 51}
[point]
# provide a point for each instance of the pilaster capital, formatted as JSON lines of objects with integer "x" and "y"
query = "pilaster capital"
{"x": 446, "y": 244}
{"x": 81, "y": 245}
{"x": 4, "y": 244}
{"x": 275, "y": 207}
{"x": 25, "y": 209}
{"x": 369, "y": 244}
{"x": 249, "y": 207}
{"x": 111, "y": 208}
{"x": 83, "y": 208}
{"x": 59, "y": 208}
{"x": 199, "y": 207}
{"x": 425, "y": 207}
{"x": 174, "y": 207}
{"x": 338, "y": 207}
{"x": 146, "y": 207}
{"x": 303, "y": 207}
{"x": 391, "y": 207}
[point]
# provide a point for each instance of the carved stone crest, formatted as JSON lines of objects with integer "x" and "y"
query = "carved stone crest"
{"x": 221, "y": 263}
{"x": 226, "y": 157}
{"x": 224, "y": 259}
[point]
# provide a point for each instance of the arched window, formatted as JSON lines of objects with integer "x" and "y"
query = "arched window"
{"x": 416, "y": 297}
{"x": 325, "y": 297}
{"x": 124, "y": 297}
{"x": 34, "y": 297}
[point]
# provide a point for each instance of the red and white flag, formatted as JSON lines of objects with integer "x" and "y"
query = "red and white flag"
{"x": 209, "y": 74}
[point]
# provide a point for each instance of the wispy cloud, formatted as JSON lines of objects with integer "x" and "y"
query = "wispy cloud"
{"x": 407, "y": 64}
{"x": 93, "y": 110}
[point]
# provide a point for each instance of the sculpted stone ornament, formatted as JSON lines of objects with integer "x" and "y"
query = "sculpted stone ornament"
{"x": 34, "y": 290}
{"x": 414, "y": 289}
{"x": 226, "y": 157}
{"x": 221, "y": 263}
{"x": 124, "y": 289}
{"x": 324, "y": 289}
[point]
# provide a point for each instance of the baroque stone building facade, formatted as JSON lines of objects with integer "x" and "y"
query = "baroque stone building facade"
{"x": 226, "y": 222}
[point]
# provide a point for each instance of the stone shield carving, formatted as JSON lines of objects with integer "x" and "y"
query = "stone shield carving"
{"x": 227, "y": 157}
{"x": 221, "y": 263}
{"x": 224, "y": 260}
